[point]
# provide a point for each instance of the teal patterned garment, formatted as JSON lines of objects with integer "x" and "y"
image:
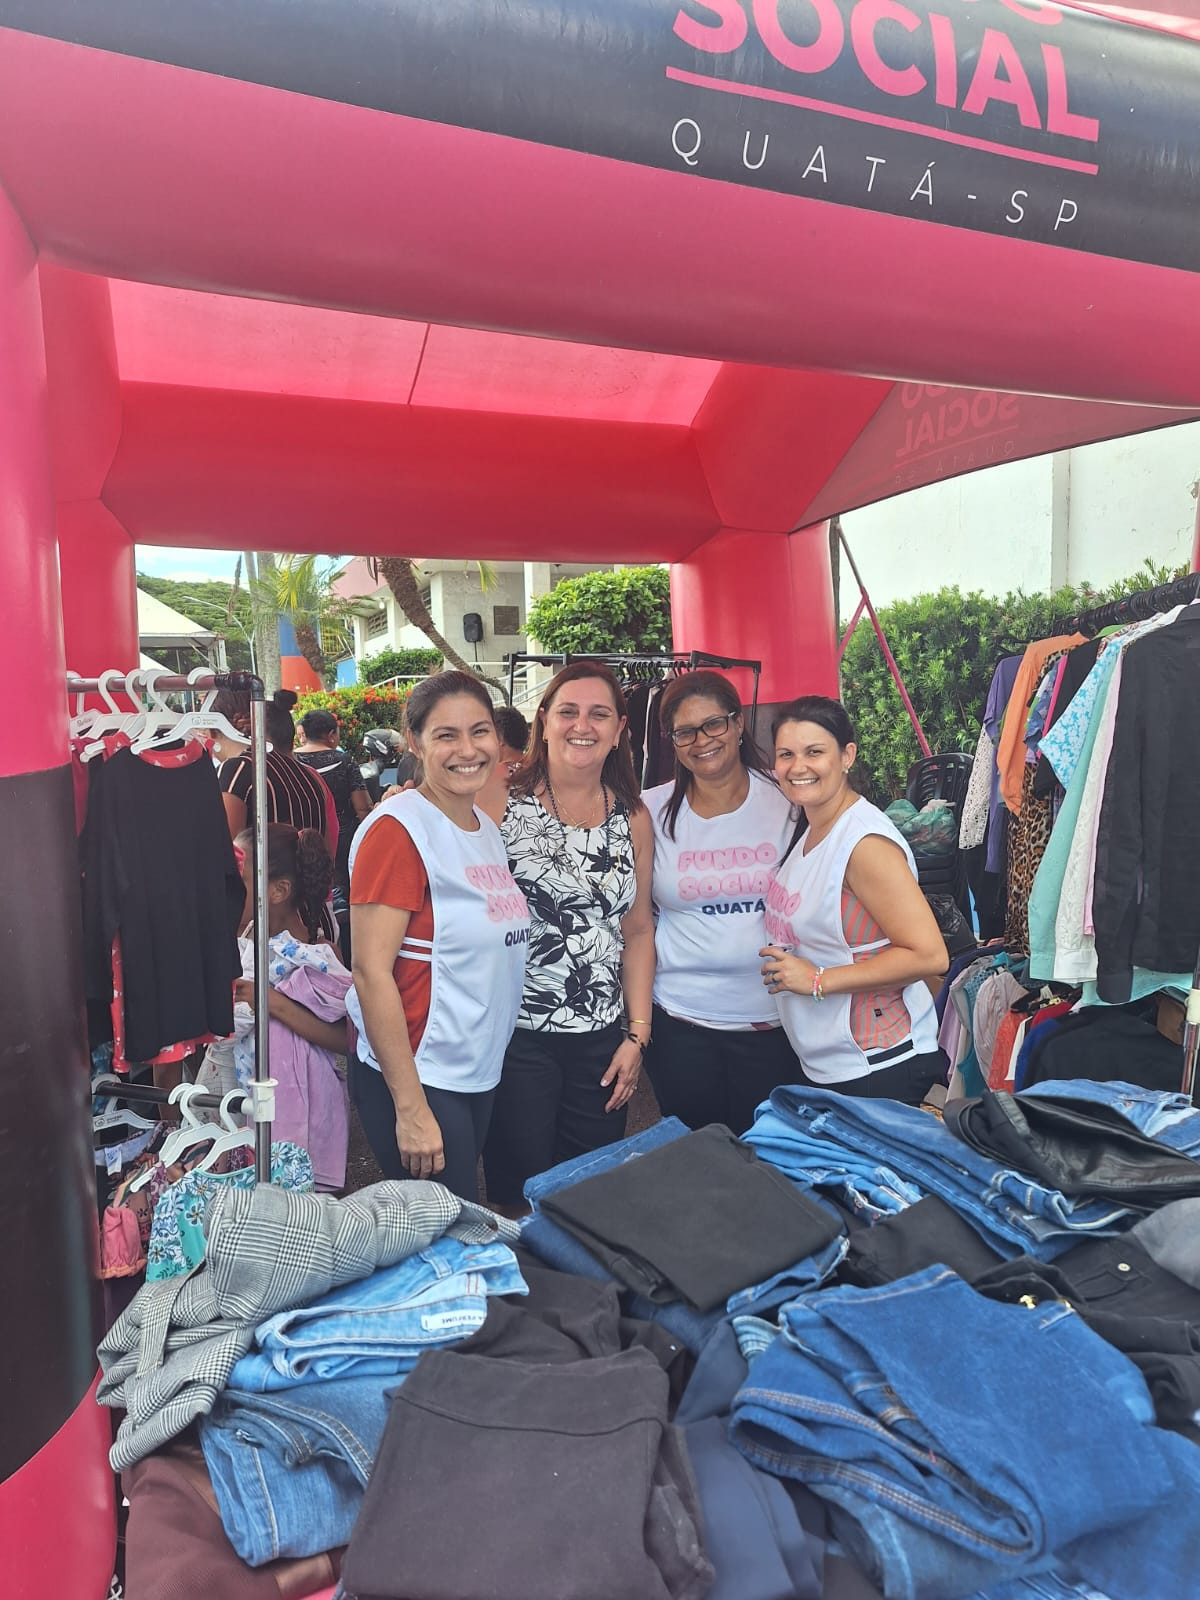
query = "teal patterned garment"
{"x": 177, "y": 1233}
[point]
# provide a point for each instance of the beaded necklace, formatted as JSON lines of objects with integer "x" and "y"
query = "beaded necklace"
{"x": 567, "y": 857}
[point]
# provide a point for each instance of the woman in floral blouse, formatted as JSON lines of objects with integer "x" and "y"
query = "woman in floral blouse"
{"x": 581, "y": 849}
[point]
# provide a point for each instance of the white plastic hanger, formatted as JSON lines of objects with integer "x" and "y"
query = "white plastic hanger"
{"x": 234, "y": 1137}
{"x": 203, "y": 719}
{"x": 159, "y": 717}
{"x": 192, "y": 1132}
{"x": 82, "y": 720}
{"x": 121, "y": 1117}
{"x": 101, "y": 724}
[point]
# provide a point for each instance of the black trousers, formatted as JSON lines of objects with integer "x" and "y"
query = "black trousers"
{"x": 463, "y": 1119}
{"x": 909, "y": 1081}
{"x": 549, "y": 1106}
{"x": 703, "y": 1075}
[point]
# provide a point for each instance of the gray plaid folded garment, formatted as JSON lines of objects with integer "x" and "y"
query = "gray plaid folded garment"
{"x": 170, "y": 1353}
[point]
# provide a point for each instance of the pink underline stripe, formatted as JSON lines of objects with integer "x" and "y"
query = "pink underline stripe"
{"x": 852, "y": 114}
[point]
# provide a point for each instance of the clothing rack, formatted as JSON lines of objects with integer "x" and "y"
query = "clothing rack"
{"x": 649, "y": 666}
{"x": 1137, "y": 607}
{"x": 148, "y": 1094}
{"x": 262, "y": 1091}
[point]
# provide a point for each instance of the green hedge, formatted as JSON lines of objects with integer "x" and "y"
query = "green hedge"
{"x": 599, "y": 612}
{"x": 359, "y": 709}
{"x": 412, "y": 663}
{"x": 946, "y": 646}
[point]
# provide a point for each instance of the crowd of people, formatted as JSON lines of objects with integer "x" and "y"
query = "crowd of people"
{"x": 527, "y": 930}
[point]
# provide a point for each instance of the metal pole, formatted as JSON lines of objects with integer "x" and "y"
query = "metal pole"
{"x": 887, "y": 654}
{"x": 262, "y": 930}
{"x": 1191, "y": 1038}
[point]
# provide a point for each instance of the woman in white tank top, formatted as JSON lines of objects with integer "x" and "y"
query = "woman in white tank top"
{"x": 851, "y": 938}
{"x": 440, "y": 936}
{"x": 720, "y": 830}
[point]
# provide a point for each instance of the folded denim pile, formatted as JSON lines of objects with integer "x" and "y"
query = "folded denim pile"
{"x": 171, "y": 1352}
{"x": 291, "y": 1441}
{"x": 876, "y": 1157}
{"x": 552, "y": 1426}
{"x": 937, "y": 1498}
{"x": 1056, "y": 1477}
{"x": 853, "y": 1356}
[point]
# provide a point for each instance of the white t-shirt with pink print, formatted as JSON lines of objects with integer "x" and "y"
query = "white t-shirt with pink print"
{"x": 710, "y": 893}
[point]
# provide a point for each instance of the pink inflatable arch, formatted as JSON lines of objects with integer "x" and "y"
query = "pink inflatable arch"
{"x": 627, "y": 280}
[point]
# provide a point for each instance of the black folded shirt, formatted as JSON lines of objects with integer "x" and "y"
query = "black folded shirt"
{"x": 695, "y": 1220}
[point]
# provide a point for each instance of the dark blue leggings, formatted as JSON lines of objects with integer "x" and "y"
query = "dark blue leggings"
{"x": 463, "y": 1119}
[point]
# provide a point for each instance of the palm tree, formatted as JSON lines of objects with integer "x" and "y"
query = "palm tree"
{"x": 299, "y": 588}
{"x": 400, "y": 575}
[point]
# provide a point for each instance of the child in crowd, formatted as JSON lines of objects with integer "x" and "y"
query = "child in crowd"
{"x": 306, "y": 1001}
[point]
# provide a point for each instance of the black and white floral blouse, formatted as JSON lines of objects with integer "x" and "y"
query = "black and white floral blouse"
{"x": 578, "y": 893}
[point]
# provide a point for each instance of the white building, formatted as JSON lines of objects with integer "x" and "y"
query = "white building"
{"x": 1093, "y": 514}
{"x": 452, "y": 592}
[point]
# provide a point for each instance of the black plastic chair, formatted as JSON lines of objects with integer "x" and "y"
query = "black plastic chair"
{"x": 943, "y": 777}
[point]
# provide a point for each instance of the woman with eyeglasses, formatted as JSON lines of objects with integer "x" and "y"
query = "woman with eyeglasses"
{"x": 719, "y": 829}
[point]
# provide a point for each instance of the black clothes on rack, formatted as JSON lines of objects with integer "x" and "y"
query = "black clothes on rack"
{"x": 159, "y": 870}
{"x": 1104, "y": 1045}
{"x": 1147, "y": 896}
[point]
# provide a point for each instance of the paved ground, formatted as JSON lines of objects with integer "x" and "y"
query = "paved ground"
{"x": 362, "y": 1168}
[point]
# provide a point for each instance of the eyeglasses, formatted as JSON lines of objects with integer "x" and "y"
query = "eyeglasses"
{"x": 711, "y": 727}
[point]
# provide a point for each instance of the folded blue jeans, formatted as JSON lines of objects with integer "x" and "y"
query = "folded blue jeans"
{"x": 289, "y": 1468}
{"x": 381, "y": 1323}
{"x": 764, "y": 1299}
{"x": 946, "y": 1473}
{"x": 665, "y": 1131}
{"x": 1004, "y": 1205}
{"x": 869, "y": 1187}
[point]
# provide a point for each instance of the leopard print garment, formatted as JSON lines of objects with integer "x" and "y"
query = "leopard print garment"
{"x": 1028, "y": 836}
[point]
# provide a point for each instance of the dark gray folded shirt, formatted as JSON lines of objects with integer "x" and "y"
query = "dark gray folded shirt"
{"x": 696, "y": 1220}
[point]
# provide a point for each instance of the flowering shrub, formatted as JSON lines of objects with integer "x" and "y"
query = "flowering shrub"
{"x": 358, "y": 709}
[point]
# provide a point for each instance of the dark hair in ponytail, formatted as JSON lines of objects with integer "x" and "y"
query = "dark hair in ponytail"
{"x": 281, "y": 730}
{"x": 714, "y": 686}
{"x": 302, "y": 857}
